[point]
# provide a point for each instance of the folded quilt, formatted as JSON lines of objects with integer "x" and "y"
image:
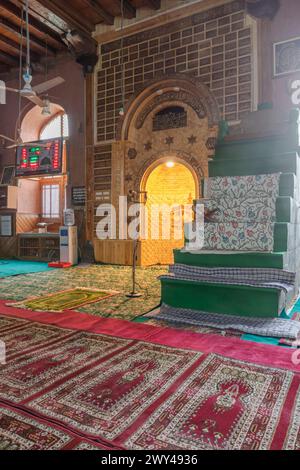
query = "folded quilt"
{"x": 251, "y": 236}
{"x": 255, "y": 275}
{"x": 249, "y": 277}
{"x": 276, "y": 328}
{"x": 250, "y": 209}
{"x": 242, "y": 187}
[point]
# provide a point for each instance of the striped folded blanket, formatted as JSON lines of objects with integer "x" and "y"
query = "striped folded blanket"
{"x": 275, "y": 327}
{"x": 257, "y": 277}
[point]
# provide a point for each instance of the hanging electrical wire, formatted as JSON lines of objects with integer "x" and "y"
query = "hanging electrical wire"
{"x": 28, "y": 72}
{"x": 122, "y": 109}
{"x": 20, "y": 75}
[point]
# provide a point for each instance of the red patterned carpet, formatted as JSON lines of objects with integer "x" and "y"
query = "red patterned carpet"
{"x": 73, "y": 381}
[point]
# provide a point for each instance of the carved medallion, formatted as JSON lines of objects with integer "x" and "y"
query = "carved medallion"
{"x": 132, "y": 153}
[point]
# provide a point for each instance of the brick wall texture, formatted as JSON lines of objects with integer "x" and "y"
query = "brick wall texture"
{"x": 215, "y": 45}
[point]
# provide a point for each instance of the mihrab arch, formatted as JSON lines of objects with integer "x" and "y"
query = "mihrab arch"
{"x": 150, "y": 133}
{"x": 161, "y": 157}
{"x": 180, "y": 88}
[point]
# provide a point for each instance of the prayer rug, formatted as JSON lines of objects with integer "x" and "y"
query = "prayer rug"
{"x": 99, "y": 277}
{"x": 64, "y": 300}
{"x": 223, "y": 404}
{"x": 135, "y": 386}
{"x": 32, "y": 370}
{"x": 30, "y": 336}
{"x": 7, "y": 324}
{"x": 21, "y": 431}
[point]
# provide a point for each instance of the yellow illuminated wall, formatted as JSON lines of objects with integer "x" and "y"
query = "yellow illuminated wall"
{"x": 167, "y": 184}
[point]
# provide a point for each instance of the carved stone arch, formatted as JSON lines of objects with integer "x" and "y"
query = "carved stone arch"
{"x": 179, "y": 88}
{"x": 156, "y": 159}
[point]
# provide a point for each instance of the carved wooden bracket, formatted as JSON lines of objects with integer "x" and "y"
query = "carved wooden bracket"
{"x": 264, "y": 9}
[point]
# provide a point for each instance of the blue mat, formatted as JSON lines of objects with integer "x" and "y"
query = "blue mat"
{"x": 16, "y": 267}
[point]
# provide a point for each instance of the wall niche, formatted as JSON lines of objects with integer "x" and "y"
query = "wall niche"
{"x": 172, "y": 117}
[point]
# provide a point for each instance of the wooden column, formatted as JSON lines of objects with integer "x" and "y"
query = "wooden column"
{"x": 265, "y": 62}
{"x": 89, "y": 154}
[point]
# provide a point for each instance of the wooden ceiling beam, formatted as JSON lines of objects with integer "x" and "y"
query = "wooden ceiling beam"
{"x": 68, "y": 14}
{"x": 107, "y": 17}
{"x": 4, "y": 68}
{"x": 16, "y": 12}
{"x": 129, "y": 9}
{"x": 14, "y": 30}
{"x": 155, "y": 4}
{"x": 8, "y": 59}
{"x": 53, "y": 21}
{"x": 14, "y": 48}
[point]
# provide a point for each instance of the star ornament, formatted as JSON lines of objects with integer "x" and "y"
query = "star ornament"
{"x": 192, "y": 140}
{"x": 169, "y": 140}
{"x": 148, "y": 146}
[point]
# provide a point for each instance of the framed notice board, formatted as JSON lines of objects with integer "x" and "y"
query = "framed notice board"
{"x": 78, "y": 195}
{"x": 8, "y": 175}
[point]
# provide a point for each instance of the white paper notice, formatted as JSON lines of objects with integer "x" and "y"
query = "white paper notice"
{"x": 6, "y": 225}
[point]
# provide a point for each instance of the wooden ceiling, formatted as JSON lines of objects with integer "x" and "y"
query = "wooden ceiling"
{"x": 52, "y": 20}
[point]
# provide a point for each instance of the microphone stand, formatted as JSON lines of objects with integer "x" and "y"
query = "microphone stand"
{"x": 134, "y": 294}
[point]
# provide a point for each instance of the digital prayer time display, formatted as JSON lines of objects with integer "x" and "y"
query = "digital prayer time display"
{"x": 39, "y": 158}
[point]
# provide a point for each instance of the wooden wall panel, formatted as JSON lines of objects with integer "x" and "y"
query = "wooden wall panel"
{"x": 115, "y": 252}
{"x": 89, "y": 155}
{"x": 102, "y": 170}
{"x": 8, "y": 247}
{"x": 26, "y": 222}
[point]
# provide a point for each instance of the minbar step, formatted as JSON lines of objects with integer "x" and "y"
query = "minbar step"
{"x": 232, "y": 259}
{"x": 284, "y": 163}
{"x": 222, "y": 298}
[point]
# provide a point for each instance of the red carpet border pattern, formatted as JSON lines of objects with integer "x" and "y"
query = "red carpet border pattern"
{"x": 130, "y": 386}
{"x": 19, "y": 430}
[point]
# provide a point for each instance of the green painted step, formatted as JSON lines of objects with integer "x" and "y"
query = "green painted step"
{"x": 218, "y": 298}
{"x": 288, "y": 185}
{"x": 283, "y": 163}
{"x": 241, "y": 260}
{"x": 286, "y": 237}
{"x": 246, "y": 148}
{"x": 286, "y": 210}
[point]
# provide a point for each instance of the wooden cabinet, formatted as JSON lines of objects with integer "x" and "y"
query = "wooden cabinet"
{"x": 41, "y": 247}
{"x": 8, "y": 197}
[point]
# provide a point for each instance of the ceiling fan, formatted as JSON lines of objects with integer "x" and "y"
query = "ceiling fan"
{"x": 31, "y": 93}
{"x": 27, "y": 91}
{"x": 18, "y": 142}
